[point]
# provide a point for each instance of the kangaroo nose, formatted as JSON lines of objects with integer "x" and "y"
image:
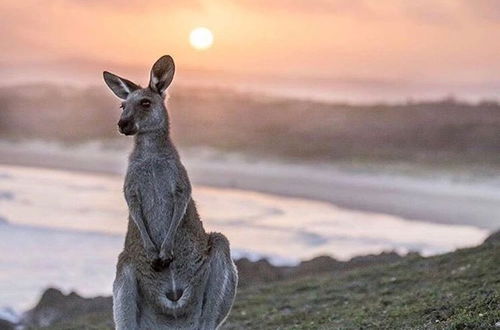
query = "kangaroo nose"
{"x": 175, "y": 295}
{"x": 122, "y": 123}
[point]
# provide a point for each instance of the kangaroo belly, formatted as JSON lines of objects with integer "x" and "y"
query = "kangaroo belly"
{"x": 158, "y": 216}
{"x": 174, "y": 291}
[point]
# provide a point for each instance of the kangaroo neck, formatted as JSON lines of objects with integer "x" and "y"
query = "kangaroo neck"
{"x": 153, "y": 143}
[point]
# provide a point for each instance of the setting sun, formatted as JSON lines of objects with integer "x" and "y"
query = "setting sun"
{"x": 201, "y": 38}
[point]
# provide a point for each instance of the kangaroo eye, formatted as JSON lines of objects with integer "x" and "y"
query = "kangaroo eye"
{"x": 146, "y": 103}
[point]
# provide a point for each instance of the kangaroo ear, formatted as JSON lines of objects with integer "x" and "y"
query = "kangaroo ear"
{"x": 162, "y": 74}
{"x": 120, "y": 86}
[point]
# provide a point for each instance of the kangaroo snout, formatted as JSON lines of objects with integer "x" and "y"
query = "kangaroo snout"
{"x": 126, "y": 126}
{"x": 175, "y": 295}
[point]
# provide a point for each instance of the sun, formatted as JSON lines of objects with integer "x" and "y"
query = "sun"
{"x": 201, "y": 38}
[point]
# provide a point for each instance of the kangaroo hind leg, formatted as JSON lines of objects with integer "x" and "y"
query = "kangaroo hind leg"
{"x": 221, "y": 283}
{"x": 125, "y": 300}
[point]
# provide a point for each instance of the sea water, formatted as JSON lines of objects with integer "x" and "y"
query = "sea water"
{"x": 65, "y": 229}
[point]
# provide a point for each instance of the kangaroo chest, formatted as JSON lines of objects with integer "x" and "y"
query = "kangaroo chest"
{"x": 154, "y": 181}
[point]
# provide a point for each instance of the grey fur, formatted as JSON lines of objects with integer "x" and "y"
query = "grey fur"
{"x": 171, "y": 273}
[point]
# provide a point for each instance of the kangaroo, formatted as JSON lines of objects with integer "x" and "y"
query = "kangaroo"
{"x": 171, "y": 274}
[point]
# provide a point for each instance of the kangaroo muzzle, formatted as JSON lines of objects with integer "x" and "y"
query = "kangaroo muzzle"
{"x": 127, "y": 126}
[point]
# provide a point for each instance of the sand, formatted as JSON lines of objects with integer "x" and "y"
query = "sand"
{"x": 428, "y": 198}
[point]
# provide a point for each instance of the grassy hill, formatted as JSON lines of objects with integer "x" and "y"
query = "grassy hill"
{"x": 459, "y": 290}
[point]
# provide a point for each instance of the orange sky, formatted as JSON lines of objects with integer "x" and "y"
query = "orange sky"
{"x": 425, "y": 40}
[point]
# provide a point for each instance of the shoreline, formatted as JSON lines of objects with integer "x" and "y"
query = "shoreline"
{"x": 314, "y": 182}
{"x": 424, "y": 199}
{"x": 367, "y": 278}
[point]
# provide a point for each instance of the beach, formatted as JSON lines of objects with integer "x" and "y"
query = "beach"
{"x": 431, "y": 197}
{"x": 66, "y": 204}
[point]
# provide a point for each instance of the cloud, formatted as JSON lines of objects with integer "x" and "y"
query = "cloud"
{"x": 305, "y": 7}
{"x": 483, "y": 9}
{"x": 365, "y": 38}
{"x": 423, "y": 11}
{"x": 430, "y": 11}
{"x": 138, "y": 5}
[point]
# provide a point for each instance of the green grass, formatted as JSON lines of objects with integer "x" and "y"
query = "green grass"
{"x": 459, "y": 290}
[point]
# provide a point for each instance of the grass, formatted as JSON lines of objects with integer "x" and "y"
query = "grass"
{"x": 459, "y": 290}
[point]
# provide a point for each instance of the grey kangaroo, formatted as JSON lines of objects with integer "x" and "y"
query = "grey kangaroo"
{"x": 171, "y": 273}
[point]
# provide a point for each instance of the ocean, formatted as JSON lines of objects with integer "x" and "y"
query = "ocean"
{"x": 65, "y": 229}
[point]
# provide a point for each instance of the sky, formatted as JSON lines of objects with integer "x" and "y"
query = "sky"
{"x": 425, "y": 41}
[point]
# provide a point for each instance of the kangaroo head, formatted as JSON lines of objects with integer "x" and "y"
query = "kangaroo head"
{"x": 143, "y": 108}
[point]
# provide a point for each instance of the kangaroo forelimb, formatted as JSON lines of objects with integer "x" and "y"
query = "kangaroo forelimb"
{"x": 182, "y": 196}
{"x": 134, "y": 204}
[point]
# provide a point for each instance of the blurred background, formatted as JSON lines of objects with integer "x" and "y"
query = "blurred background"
{"x": 326, "y": 127}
